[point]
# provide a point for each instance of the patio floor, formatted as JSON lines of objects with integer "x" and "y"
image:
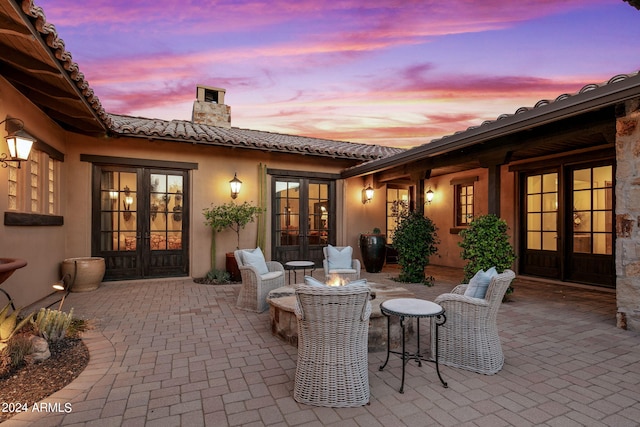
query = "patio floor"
{"x": 175, "y": 353}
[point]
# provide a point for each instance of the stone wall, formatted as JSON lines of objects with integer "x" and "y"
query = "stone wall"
{"x": 628, "y": 216}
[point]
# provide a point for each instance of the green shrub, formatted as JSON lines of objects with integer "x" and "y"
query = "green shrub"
{"x": 218, "y": 276}
{"x": 415, "y": 239}
{"x": 485, "y": 244}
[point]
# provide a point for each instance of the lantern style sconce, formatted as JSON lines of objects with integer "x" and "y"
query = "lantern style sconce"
{"x": 235, "y": 184}
{"x": 126, "y": 203}
{"x": 18, "y": 141}
{"x": 367, "y": 194}
{"x": 430, "y": 195}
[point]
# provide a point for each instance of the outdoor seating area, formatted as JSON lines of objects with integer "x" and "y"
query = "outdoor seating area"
{"x": 190, "y": 357}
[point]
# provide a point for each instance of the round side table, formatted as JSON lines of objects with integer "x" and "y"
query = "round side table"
{"x": 412, "y": 307}
{"x": 299, "y": 265}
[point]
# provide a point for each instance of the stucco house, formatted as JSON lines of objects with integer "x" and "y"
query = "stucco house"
{"x": 564, "y": 174}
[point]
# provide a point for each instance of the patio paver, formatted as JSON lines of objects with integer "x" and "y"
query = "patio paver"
{"x": 172, "y": 352}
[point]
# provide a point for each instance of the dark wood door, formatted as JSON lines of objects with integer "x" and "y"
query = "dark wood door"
{"x": 567, "y": 223}
{"x": 540, "y": 253}
{"x": 303, "y": 220}
{"x": 590, "y": 241}
{"x": 140, "y": 221}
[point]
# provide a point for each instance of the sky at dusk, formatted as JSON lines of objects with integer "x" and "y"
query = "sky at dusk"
{"x": 397, "y": 73}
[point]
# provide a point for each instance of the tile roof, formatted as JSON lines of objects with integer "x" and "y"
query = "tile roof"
{"x": 186, "y": 131}
{"x": 50, "y": 36}
{"x": 543, "y": 103}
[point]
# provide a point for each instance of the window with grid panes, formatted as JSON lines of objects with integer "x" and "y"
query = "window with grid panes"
{"x": 33, "y": 188}
{"x": 463, "y": 204}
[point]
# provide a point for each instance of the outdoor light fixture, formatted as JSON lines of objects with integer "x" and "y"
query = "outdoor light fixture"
{"x": 18, "y": 141}
{"x": 367, "y": 195}
{"x": 127, "y": 202}
{"x": 235, "y": 184}
{"x": 61, "y": 286}
{"x": 430, "y": 195}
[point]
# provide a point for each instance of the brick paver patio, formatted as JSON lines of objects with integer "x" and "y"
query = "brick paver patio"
{"x": 176, "y": 353}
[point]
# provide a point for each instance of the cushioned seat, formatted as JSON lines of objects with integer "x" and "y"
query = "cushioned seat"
{"x": 338, "y": 261}
{"x": 259, "y": 277}
{"x": 469, "y": 339}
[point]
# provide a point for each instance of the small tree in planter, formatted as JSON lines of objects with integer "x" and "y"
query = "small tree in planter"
{"x": 228, "y": 215}
{"x": 486, "y": 244}
{"x": 415, "y": 239}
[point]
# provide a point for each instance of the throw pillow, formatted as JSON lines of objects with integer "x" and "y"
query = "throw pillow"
{"x": 339, "y": 258}
{"x": 479, "y": 283}
{"x": 357, "y": 282}
{"x": 255, "y": 258}
{"x": 310, "y": 281}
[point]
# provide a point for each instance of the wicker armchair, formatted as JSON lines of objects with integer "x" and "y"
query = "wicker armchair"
{"x": 352, "y": 273}
{"x": 469, "y": 338}
{"x": 333, "y": 325}
{"x": 255, "y": 287}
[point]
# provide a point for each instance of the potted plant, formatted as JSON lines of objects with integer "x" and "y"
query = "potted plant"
{"x": 485, "y": 244}
{"x": 373, "y": 247}
{"x": 233, "y": 216}
{"x": 415, "y": 239}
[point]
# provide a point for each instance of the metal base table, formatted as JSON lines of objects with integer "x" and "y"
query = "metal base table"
{"x": 299, "y": 265}
{"x": 412, "y": 307}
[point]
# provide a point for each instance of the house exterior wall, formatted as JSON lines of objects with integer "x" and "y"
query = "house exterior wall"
{"x": 628, "y": 216}
{"x": 209, "y": 184}
{"x": 362, "y": 218}
{"x": 43, "y": 247}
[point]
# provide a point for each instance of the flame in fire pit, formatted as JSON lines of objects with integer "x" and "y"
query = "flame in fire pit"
{"x": 336, "y": 280}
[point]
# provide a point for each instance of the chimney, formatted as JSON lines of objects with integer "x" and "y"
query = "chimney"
{"x": 209, "y": 108}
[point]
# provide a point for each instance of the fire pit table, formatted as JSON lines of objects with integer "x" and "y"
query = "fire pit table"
{"x": 284, "y": 324}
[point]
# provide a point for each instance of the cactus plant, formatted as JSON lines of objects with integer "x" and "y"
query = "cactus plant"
{"x": 9, "y": 324}
{"x": 52, "y": 325}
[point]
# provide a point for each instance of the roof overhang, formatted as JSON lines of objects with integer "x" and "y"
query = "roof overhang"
{"x": 35, "y": 62}
{"x": 590, "y": 99}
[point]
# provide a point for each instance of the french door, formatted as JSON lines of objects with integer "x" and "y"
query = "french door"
{"x": 140, "y": 221}
{"x": 567, "y": 224}
{"x": 303, "y": 220}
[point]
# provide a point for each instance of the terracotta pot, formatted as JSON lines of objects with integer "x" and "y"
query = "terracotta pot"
{"x": 85, "y": 273}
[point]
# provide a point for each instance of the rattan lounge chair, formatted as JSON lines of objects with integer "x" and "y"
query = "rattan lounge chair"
{"x": 351, "y": 273}
{"x": 333, "y": 325}
{"x": 469, "y": 338}
{"x": 255, "y": 286}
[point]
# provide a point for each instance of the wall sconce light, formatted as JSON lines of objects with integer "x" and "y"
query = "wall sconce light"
{"x": 367, "y": 194}
{"x": 430, "y": 195}
{"x": 18, "y": 141}
{"x": 235, "y": 184}
{"x": 126, "y": 203}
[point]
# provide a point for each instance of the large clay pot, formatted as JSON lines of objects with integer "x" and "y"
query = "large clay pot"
{"x": 373, "y": 248}
{"x": 85, "y": 273}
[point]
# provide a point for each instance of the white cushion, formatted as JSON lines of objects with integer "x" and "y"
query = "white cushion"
{"x": 255, "y": 258}
{"x": 271, "y": 275}
{"x": 357, "y": 282}
{"x": 479, "y": 283}
{"x": 339, "y": 258}
{"x": 308, "y": 280}
{"x": 342, "y": 271}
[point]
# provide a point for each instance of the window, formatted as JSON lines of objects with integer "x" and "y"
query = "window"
{"x": 397, "y": 206}
{"x": 463, "y": 204}
{"x": 34, "y": 187}
{"x": 463, "y": 189}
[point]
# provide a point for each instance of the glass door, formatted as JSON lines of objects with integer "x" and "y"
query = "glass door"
{"x": 139, "y": 222}
{"x": 590, "y": 225}
{"x": 303, "y": 219}
{"x": 541, "y": 254}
